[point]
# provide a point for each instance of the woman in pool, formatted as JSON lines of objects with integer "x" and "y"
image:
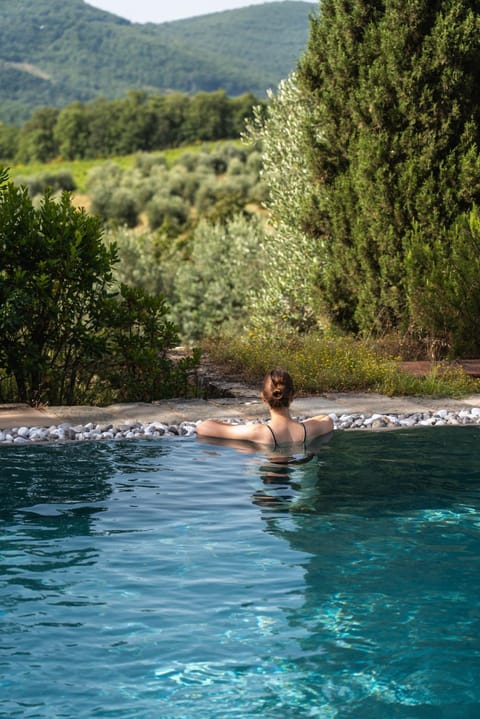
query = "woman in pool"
{"x": 278, "y": 392}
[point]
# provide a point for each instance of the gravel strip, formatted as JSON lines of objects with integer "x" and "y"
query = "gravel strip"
{"x": 154, "y": 430}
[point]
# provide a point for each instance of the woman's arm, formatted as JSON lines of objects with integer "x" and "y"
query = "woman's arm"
{"x": 223, "y": 430}
{"x": 316, "y": 426}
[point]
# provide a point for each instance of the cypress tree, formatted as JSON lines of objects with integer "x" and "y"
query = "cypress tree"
{"x": 393, "y": 154}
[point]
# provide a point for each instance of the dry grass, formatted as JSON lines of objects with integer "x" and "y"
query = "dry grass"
{"x": 321, "y": 363}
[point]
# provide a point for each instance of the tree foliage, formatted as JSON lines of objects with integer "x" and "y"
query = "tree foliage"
{"x": 55, "y": 53}
{"x": 136, "y": 363}
{"x": 204, "y": 246}
{"x": 286, "y": 293}
{"x": 62, "y": 327}
{"x": 172, "y": 199}
{"x": 211, "y": 288}
{"x": 138, "y": 122}
{"x": 392, "y": 152}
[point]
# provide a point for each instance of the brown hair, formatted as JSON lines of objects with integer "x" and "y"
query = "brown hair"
{"x": 278, "y": 389}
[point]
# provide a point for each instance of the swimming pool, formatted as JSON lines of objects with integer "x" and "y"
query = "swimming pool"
{"x": 174, "y": 579}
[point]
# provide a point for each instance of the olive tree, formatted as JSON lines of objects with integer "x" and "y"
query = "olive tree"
{"x": 287, "y": 290}
{"x": 212, "y": 286}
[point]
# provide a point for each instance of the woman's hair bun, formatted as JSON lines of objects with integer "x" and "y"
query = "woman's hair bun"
{"x": 278, "y": 388}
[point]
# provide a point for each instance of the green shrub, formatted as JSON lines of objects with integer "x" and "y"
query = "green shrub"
{"x": 136, "y": 365}
{"x": 206, "y": 195}
{"x": 236, "y": 167}
{"x": 254, "y": 163}
{"x": 188, "y": 160}
{"x": 111, "y": 196}
{"x": 102, "y": 180}
{"x": 140, "y": 256}
{"x": 211, "y": 287}
{"x": 55, "y": 273}
{"x": 446, "y": 322}
{"x": 146, "y": 162}
{"x": 65, "y": 335}
{"x": 215, "y": 162}
{"x": 122, "y": 207}
{"x": 222, "y": 197}
{"x": 185, "y": 183}
{"x": 169, "y": 212}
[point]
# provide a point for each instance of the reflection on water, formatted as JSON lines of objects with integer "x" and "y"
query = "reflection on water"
{"x": 50, "y": 499}
{"x": 73, "y": 480}
{"x": 389, "y": 530}
{"x": 279, "y": 468}
{"x": 63, "y": 475}
{"x": 49, "y": 496}
{"x": 181, "y": 579}
{"x": 379, "y": 473}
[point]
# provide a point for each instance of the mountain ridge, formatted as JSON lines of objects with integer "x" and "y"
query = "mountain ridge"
{"x": 53, "y": 53}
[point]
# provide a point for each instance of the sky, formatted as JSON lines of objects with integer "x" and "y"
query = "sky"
{"x": 164, "y": 10}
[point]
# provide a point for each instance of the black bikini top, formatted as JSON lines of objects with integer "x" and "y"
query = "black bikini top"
{"x": 275, "y": 439}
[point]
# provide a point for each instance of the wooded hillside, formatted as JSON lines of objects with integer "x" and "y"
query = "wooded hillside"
{"x": 53, "y": 52}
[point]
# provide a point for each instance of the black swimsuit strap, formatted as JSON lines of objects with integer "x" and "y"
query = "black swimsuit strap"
{"x": 275, "y": 439}
{"x": 273, "y": 435}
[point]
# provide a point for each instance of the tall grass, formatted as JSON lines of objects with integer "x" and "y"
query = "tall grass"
{"x": 320, "y": 363}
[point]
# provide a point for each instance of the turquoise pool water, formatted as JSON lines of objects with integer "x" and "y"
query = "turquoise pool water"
{"x": 174, "y": 579}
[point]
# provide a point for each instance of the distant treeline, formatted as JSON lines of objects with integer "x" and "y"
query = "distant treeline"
{"x": 139, "y": 122}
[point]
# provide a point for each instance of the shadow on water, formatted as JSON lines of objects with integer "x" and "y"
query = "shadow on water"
{"x": 55, "y": 486}
{"x": 388, "y": 528}
{"x": 385, "y": 527}
{"x": 374, "y": 474}
{"x": 51, "y": 497}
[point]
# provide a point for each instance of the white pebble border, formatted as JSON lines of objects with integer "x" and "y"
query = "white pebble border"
{"x": 68, "y": 433}
{"x": 440, "y": 418}
{"x": 153, "y": 430}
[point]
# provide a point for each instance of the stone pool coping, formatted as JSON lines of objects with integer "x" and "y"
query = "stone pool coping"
{"x": 349, "y": 411}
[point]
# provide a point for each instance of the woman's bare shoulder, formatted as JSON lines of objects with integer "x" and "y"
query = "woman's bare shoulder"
{"x": 320, "y": 424}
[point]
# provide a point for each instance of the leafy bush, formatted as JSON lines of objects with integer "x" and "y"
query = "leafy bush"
{"x": 136, "y": 365}
{"x": 54, "y": 277}
{"x": 122, "y": 207}
{"x": 212, "y": 286}
{"x": 102, "y": 180}
{"x": 188, "y": 160}
{"x": 111, "y": 196}
{"x": 65, "y": 335}
{"x": 168, "y": 212}
{"x": 185, "y": 183}
{"x": 140, "y": 257}
{"x": 447, "y": 322}
{"x": 147, "y": 161}
{"x": 206, "y": 195}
